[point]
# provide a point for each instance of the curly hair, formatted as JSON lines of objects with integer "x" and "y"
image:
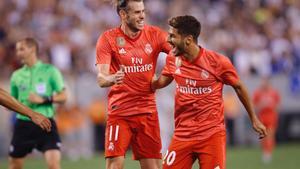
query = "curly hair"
{"x": 186, "y": 25}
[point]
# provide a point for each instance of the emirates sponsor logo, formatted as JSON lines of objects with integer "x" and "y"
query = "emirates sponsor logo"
{"x": 138, "y": 65}
{"x": 194, "y": 90}
{"x": 138, "y": 68}
{"x": 191, "y": 87}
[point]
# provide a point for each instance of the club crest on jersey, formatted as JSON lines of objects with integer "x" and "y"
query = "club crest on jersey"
{"x": 204, "y": 74}
{"x": 121, "y": 41}
{"x": 122, "y": 51}
{"x": 148, "y": 48}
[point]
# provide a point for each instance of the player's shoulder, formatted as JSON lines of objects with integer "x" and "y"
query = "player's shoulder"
{"x": 18, "y": 72}
{"x": 152, "y": 29}
{"x": 215, "y": 57}
{"x": 110, "y": 32}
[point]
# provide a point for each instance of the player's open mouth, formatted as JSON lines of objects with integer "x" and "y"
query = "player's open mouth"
{"x": 174, "y": 50}
{"x": 140, "y": 23}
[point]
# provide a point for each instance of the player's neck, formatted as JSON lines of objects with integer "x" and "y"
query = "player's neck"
{"x": 127, "y": 31}
{"x": 192, "y": 53}
{"x": 32, "y": 61}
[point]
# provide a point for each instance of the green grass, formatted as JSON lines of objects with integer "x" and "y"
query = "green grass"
{"x": 285, "y": 157}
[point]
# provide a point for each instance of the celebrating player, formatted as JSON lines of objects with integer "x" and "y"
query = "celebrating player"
{"x": 266, "y": 100}
{"x": 38, "y": 86}
{"x": 199, "y": 116}
{"x": 126, "y": 61}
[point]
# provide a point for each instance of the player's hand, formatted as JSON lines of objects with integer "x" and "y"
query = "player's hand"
{"x": 154, "y": 79}
{"x": 119, "y": 76}
{"x": 34, "y": 98}
{"x": 259, "y": 128}
{"x": 41, "y": 121}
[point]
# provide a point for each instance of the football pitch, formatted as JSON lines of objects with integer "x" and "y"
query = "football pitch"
{"x": 285, "y": 157}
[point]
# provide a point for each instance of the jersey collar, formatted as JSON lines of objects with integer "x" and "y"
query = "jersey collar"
{"x": 131, "y": 39}
{"x": 37, "y": 64}
{"x": 201, "y": 51}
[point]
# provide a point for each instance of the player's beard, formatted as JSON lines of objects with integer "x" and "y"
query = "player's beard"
{"x": 132, "y": 25}
{"x": 178, "y": 49}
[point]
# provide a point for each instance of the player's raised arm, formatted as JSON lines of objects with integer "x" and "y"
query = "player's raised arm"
{"x": 243, "y": 95}
{"x": 161, "y": 82}
{"x": 11, "y": 103}
{"x": 105, "y": 79}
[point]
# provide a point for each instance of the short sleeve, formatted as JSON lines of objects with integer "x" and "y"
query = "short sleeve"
{"x": 162, "y": 41}
{"x": 227, "y": 72}
{"x": 167, "y": 68}
{"x": 57, "y": 81}
{"x": 103, "y": 50}
{"x": 13, "y": 87}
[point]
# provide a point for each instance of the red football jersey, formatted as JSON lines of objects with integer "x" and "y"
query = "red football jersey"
{"x": 199, "y": 110}
{"x": 138, "y": 57}
{"x": 266, "y": 100}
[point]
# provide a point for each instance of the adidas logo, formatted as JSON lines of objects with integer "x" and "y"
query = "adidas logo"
{"x": 122, "y": 51}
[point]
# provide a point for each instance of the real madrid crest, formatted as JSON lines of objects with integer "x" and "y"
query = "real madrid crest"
{"x": 121, "y": 41}
{"x": 148, "y": 48}
{"x": 204, "y": 74}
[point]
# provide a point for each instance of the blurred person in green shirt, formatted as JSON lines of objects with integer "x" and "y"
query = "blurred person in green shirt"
{"x": 36, "y": 85}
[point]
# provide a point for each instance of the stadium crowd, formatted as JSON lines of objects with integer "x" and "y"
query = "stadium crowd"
{"x": 260, "y": 36}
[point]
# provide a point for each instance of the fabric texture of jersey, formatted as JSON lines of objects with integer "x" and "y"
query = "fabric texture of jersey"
{"x": 211, "y": 153}
{"x": 138, "y": 59}
{"x": 140, "y": 130}
{"x": 42, "y": 79}
{"x": 199, "y": 109}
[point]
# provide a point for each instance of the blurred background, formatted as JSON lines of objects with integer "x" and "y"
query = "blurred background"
{"x": 261, "y": 37}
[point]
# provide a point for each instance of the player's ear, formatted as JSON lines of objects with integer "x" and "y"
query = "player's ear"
{"x": 188, "y": 39}
{"x": 122, "y": 14}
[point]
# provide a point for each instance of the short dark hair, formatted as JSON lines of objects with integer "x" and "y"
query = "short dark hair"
{"x": 186, "y": 25}
{"x": 123, "y": 4}
{"x": 31, "y": 42}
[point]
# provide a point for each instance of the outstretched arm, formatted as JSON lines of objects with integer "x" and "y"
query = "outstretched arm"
{"x": 11, "y": 103}
{"x": 243, "y": 95}
{"x": 161, "y": 82}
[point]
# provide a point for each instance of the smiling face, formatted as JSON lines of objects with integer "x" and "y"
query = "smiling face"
{"x": 134, "y": 16}
{"x": 177, "y": 41}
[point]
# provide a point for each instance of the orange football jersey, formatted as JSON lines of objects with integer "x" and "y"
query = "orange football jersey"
{"x": 138, "y": 59}
{"x": 199, "y": 109}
